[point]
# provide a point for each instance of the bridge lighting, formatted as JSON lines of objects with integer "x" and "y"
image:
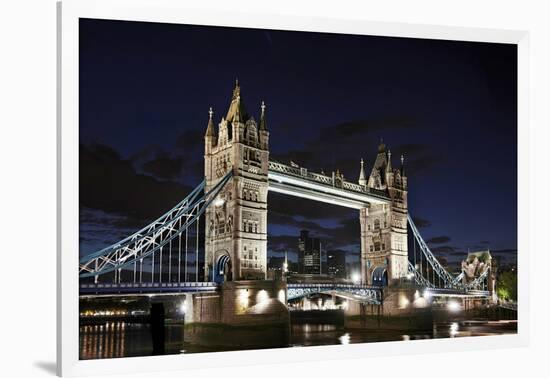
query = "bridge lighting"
{"x": 219, "y": 202}
{"x": 453, "y": 329}
{"x": 344, "y": 339}
{"x": 453, "y": 306}
{"x": 182, "y": 307}
{"x": 356, "y": 278}
{"x": 243, "y": 298}
{"x": 281, "y": 296}
{"x": 262, "y": 296}
{"x": 409, "y": 276}
{"x": 427, "y": 294}
{"x": 403, "y": 302}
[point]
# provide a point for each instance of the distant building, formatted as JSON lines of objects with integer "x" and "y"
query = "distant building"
{"x": 275, "y": 266}
{"x": 336, "y": 263}
{"x": 309, "y": 254}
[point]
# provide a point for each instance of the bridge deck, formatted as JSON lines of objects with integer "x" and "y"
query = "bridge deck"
{"x": 146, "y": 288}
{"x": 372, "y": 293}
{"x": 299, "y": 182}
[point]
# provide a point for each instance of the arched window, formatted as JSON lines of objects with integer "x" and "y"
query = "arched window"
{"x": 377, "y": 246}
{"x": 377, "y": 224}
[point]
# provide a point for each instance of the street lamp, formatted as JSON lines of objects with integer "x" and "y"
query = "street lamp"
{"x": 356, "y": 278}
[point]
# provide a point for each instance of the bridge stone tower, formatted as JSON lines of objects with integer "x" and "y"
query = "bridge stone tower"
{"x": 236, "y": 222}
{"x": 384, "y": 251}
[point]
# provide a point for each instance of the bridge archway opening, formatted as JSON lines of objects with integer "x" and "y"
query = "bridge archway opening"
{"x": 222, "y": 268}
{"x": 325, "y": 224}
{"x": 380, "y": 276}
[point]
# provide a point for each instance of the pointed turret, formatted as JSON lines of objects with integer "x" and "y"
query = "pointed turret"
{"x": 379, "y": 174}
{"x": 388, "y": 164}
{"x": 381, "y": 146}
{"x": 263, "y": 123}
{"x": 210, "y": 128}
{"x": 362, "y": 176}
{"x": 402, "y": 165}
{"x": 237, "y": 111}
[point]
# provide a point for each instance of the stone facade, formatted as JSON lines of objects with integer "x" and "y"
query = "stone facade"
{"x": 236, "y": 223}
{"x": 384, "y": 226}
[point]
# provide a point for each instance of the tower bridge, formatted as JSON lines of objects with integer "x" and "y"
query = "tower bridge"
{"x": 233, "y": 199}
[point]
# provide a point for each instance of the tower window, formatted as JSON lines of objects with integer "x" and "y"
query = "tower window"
{"x": 377, "y": 224}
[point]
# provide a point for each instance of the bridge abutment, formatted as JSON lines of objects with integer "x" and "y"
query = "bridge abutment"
{"x": 255, "y": 311}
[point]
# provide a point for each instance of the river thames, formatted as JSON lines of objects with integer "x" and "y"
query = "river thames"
{"x": 121, "y": 339}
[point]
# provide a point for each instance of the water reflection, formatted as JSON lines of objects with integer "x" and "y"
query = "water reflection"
{"x": 120, "y": 339}
{"x": 344, "y": 339}
{"x": 453, "y": 329}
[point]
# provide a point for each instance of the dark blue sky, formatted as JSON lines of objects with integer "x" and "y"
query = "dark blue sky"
{"x": 450, "y": 107}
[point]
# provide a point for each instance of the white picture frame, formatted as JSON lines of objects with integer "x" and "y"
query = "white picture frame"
{"x": 174, "y": 11}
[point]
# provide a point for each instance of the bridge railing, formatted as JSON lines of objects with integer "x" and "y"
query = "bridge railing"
{"x": 304, "y": 173}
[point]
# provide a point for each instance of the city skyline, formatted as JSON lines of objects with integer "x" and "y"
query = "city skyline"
{"x": 454, "y": 120}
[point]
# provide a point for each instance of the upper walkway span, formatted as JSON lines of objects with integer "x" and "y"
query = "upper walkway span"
{"x": 299, "y": 182}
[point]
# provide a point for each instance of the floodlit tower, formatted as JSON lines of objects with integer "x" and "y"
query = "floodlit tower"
{"x": 236, "y": 222}
{"x": 384, "y": 248}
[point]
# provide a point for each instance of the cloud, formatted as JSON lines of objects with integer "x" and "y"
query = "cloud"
{"x": 164, "y": 167}
{"x": 438, "y": 240}
{"x": 111, "y": 184}
{"x": 282, "y": 243}
{"x": 421, "y": 222}
{"x": 293, "y": 206}
{"x": 443, "y": 249}
{"x": 341, "y": 146}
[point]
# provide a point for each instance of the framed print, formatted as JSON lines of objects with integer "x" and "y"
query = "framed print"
{"x": 232, "y": 187}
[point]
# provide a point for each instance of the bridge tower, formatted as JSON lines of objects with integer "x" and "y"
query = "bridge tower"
{"x": 236, "y": 222}
{"x": 384, "y": 256}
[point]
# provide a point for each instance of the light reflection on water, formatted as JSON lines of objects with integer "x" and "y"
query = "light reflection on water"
{"x": 120, "y": 339}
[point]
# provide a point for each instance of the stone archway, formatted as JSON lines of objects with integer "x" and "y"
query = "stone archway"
{"x": 380, "y": 276}
{"x": 223, "y": 269}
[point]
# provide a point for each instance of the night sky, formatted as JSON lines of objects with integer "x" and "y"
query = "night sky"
{"x": 450, "y": 107}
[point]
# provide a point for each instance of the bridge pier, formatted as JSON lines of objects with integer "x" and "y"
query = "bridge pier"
{"x": 241, "y": 313}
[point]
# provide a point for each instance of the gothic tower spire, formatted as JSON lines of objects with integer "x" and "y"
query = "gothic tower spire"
{"x": 263, "y": 123}
{"x": 362, "y": 176}
{"x": 237, "y": 111}
{"x": 210, "y": 127}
